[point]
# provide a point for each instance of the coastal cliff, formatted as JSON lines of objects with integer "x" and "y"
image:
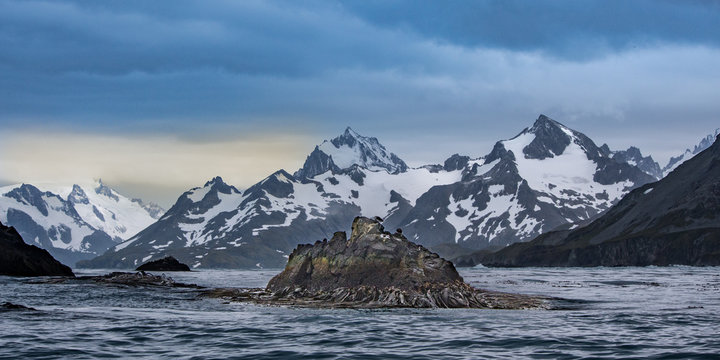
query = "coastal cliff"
{"x": 20, "y": 259}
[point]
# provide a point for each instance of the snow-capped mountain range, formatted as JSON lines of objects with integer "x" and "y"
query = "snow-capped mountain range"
{"x": 546, "y": 177}
{"x": 74, "y": 222}
{"x": 705, "y": 143}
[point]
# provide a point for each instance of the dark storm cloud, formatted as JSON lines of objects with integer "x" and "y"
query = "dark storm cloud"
{"x": 575, "y": 30}
{"x": 470, "y": 70}
{"x": 289, "y": 38}
{"x": 258, "y": 38}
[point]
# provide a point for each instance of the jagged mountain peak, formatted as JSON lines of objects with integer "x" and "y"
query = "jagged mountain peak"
{"x": 349, "y": 131}
{"x": 633, "y": 151}
{"x": 634, "y": 157}
{"x": 282, "y": 174}
{"x": 215, "y": 181}
{"x": 350, "y": 137}
{"x": 706, "y": 142}
{"x": 214, "y": 185}
{"x": 348, "y": 149}
{"x": 102, "y": 189}
{"x": 278, "y": 184}
{"x": 278, "y": 176}
{"x": 78, "y": 195}
{"x": 156, "y": 211}
{"x": 30, "y": 195}
{"x": 544, "y": 122}
{"x": 548, "y": 138}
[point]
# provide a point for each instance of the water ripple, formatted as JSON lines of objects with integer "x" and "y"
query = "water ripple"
{"x": 617, "y": 313}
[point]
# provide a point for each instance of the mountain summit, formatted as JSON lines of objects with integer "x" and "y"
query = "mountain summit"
{"x": 350, "y": 149}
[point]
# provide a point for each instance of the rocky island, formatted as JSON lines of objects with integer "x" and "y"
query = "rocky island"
{"x": 373, "y": 269}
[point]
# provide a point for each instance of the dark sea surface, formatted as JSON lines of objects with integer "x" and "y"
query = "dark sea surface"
{"x": 617, "y": 313}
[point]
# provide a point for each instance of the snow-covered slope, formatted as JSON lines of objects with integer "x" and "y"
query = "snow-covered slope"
{"x": 218, "y": 226}
{"x": 73, "y": 222}
{"x": 677, "y": 160}
{"x": 547, "y": 176}
{"x": 106, "y": 209}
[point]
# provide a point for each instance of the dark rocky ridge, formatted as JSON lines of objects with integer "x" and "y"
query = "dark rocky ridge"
{"x": 673, "y": 221}
{"x": 167, "y": 263}
{"x": 373, "y": 269}
{"x": 20, "y": 259}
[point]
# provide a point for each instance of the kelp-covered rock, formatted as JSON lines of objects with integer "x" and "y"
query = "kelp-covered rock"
{"x": 373, "y": 269}
{"x": 167, "y": 263}
{"x": 371, "y": 257}
{"x": 139, "y": 278}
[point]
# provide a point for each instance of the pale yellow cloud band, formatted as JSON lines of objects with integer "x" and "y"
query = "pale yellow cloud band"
{"x": 147, "y": 165}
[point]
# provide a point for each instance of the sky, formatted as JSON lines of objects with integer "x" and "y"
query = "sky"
{"x": 156, "y": 97}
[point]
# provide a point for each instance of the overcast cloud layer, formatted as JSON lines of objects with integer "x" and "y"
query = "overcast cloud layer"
{"x": 457, "y": 74}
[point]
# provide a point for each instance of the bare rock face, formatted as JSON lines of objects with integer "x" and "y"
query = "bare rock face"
{"x": 371, "y": 257}
{"x": 372, "y": 269}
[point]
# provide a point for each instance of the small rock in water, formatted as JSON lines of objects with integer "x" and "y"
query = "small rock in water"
{"x": 167, "y": 263}
{"x": 10, "y": 306}
{"x": 140, "y": 278}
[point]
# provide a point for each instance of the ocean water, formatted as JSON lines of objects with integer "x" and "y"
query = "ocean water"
{"x": 616, "y": 313}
